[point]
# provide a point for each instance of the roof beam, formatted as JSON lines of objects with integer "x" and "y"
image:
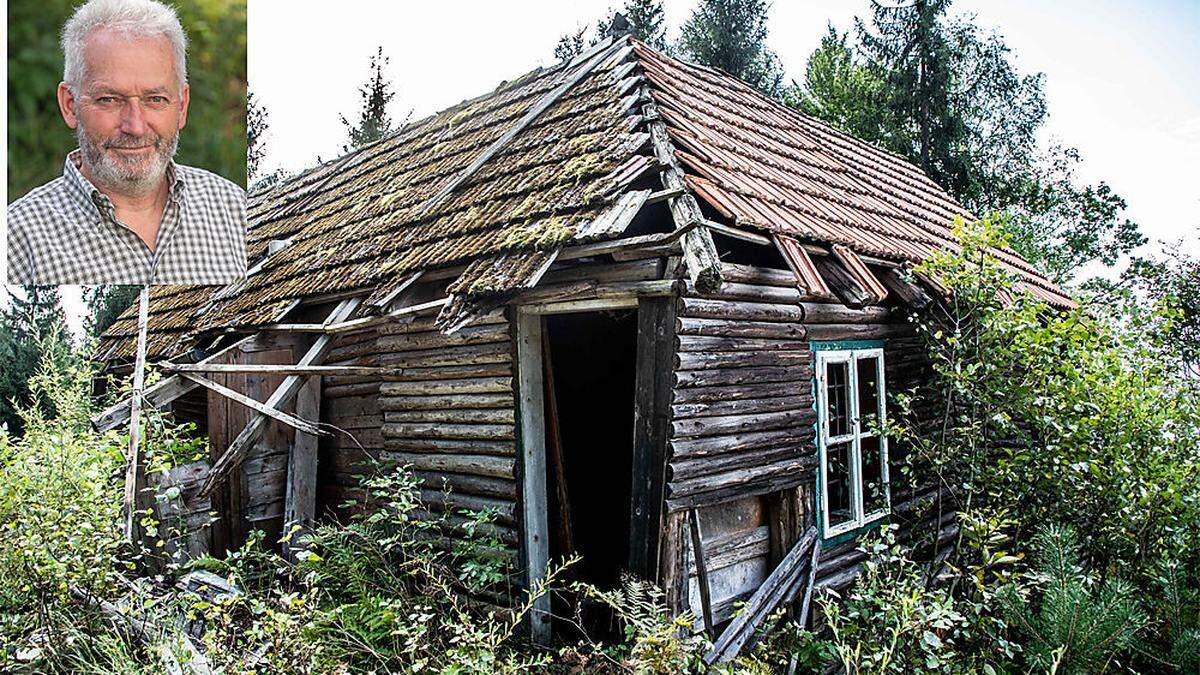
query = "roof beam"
{"x": 290, "y": 420}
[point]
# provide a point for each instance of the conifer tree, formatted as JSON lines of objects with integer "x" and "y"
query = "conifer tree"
{"x": 731, "y": 35}
{"x": 373, "y": 121}
{"x": 256, "y": 131}
{"x": 33, "y": 314}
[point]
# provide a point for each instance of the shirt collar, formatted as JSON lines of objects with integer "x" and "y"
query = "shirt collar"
{"x": 91, "y": 196}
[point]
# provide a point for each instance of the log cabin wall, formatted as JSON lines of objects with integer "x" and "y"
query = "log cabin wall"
{"x": 743, "y": 429}
{"x": 451, "y": 417}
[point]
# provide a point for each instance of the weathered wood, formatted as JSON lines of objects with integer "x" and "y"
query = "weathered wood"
{"x": 287, "y": 389}
{"x": 470, "y": 446}
{"x": 300, "y": 501}
{"x": 477, "y": 465}
{"x": 685, "y": 468}
{"x": 750, "y": 406}
{"x": 533, "y": 468}
{"x": 769, "y": 595}
{"x": 699, "y": 427}
{"x": 701, "y": 573}
{"x": 452, "y": 414}
{"x": 433, "y": 402}
{"x": 293, "y": 421}
{"x": 843, "y": 285}
{"x": 734, "y": 328}
{"x": 486, "y": 486}
{"x": 474, "y": 385}
{"x": 554, "y": 450}
{"x": 703, "y": 308}
{"x": 858, "y": 331}
{"x": 672, "y": 566}
{"x": 707, "y": 378}
{"x": 136, "y": 499}
{"x": 858, "y": 270}
{"x": 751, "y": 292}
{"x": 730, "y": 480}
{"x": 699, "y": 250}
{"x": 908, "y": 292}
{"x": 736, "y": 232}
{"x": 704, "y": 343}
{"x": 651, "y": 411}
{"x": 760, "y": 276}
{"x": 750, "y": 390}
{"x": 832, "y": 312}
{"x": 806, "y": 274}
{"x": 745, "y": 359}
{"x": 442, "y": 430}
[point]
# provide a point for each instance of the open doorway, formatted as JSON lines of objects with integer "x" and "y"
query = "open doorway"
{"x": 590, "y": 365}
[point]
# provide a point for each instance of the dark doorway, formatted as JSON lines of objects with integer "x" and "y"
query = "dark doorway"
{"x": 590, "y": 366}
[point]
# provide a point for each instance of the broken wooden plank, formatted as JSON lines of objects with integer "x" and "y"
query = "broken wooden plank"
{"x": 293, "y": 421}
{"x": 702, "y": 574}
{"x": 237, "y": 450}
{"x": 300, "y": 498}
{"x": 135, "y": 473}
{"x": 776, "y": 590}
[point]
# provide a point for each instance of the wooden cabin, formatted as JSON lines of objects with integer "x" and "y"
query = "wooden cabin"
{"x": 643, "y": 312}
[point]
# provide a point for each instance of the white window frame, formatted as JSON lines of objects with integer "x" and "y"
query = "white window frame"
{"x": 854, "y": 437}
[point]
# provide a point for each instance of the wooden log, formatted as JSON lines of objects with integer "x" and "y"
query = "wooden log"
{"x": 702, "y": 573}
{"x": 802, "y": 404}
{"x": 761, "y": 276}
{"x": 470, "y": 335}
{"x": 686, "y": 469}
{"x": 743, "y": 359}
{"x": 457, "y": 355}
{"x": 635, "y": 270}
{"x": 456, "y": 502}
{"x": 474, "y": 385}
{"x": 731, "y": 479}
{"x": 750, "y": 390}
{"x": 477, "y": 465}
{"x": 699, "y": 427}
{"x": 437, "y": 430}
{"x": 738, "y": 328}
{"x": 460, "y": 401}
{"x": 472, "y": 446}
{"x": 703, "y": 308}
{"x": 468, "y": 484}
{"x": 832, "y": 312}
{"x": 857, "y": 331}
{"x": 724, "y": 493}
{"x": 751, "y": 292}
{"x": 697, "y": 447}
{"x": 461, "y": 415}
{"x": 703, "y": 343}
{"x": 685, "y": 379}
{"x": 351, "y": 390}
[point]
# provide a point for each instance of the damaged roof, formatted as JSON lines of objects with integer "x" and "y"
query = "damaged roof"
{"x": 502, "y": 182}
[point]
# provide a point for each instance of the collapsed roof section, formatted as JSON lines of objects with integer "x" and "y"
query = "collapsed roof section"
{"x": 500, "y": 184}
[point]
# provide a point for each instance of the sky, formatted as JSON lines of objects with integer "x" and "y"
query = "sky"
{"x": 1122, "y": 78}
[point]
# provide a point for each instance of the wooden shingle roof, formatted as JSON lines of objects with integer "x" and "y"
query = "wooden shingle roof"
{"x": 368, "y": 220}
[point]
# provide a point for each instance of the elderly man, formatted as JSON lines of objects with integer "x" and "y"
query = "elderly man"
{"x": 123, "y": 212}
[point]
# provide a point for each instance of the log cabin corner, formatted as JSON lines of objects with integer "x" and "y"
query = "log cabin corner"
{"x": 639, "y": 310}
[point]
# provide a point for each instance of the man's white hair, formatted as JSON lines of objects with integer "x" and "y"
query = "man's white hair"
{"x": 132, "y": 18}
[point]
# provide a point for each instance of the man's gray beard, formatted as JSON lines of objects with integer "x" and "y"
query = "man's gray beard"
{"x": 109, "y": 171}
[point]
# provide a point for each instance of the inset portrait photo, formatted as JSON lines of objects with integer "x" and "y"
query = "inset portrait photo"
{"x": 126, "y": 142}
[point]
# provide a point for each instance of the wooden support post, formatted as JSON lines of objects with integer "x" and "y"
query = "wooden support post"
{"x": 533, "y": 468}
{"x": 135, "y": 473}
{"x": 651, "y": 425}
{"x": 702, "y": 575}
{"x": 554, "y": 450}
{"x": 236, "y": 452}
{"x": 300, "y": 501}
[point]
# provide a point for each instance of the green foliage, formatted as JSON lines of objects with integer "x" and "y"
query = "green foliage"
{"x": 32, "y": 320}
{"x": 892, "y": 622}
{"x": 901, "y": 83}
{"x": 655, "y": 642}
{"x": 1080, "y": 625}
{"x": 1172, "y": 282}
{"x": 215, "y": 136}
{"x": 731, "y": 35}
{"x": 105, "y": 304}
{"x": 645, "y": 19}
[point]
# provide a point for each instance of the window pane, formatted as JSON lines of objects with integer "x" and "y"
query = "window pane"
{"x": 837, "y": 393}
{"x": 874, "y": 489}
{"x": 837, "y": 484}
{"x": 868, "y": 393}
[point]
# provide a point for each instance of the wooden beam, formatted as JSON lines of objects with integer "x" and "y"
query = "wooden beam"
{"x": 300, "y": 497}
{"x": 135, "y": 474}
{"x": 293, "y": 421}
{"x": 354, "y": 324}
{"x": 651, "y": 414}
{"x": 699, "y": 251}
{"x": 282, "y": 369}
{"x": 158, "y": 395}
{"x": 702, "y": 574}
{"x": 237, "y": 450}
{"x": 736, "y": 233}
{"x": 531, "y": 408}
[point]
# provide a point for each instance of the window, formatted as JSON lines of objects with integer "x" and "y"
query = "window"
{"x": 854, "y": 455}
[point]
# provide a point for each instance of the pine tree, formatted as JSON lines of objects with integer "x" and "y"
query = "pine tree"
{"x": 731, "y": 35}
{"x": 570, "y": 45}
{"x": 373, "y": 120}
{"x": 256, "y": 131}
{"x": 646, "y": 23}
{"x": 33, "y": 315}
{"x": 105, "y": 304}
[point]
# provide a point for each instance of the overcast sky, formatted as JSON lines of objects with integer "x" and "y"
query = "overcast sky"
{"x": 1122, "y": 78}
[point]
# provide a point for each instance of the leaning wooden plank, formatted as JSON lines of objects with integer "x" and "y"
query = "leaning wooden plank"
{"x": 774, "y": 590}
{"x": 702, "y": 573}
{"x": 135, "y": 474}
{"x": 290, "y": 420}
{"x": 300, "y": 498}
{"x": 237, "y": 450}
{"x": 158, "y": 395}
{"x": 355, "y": 324}
{"x": 813, "y": 565}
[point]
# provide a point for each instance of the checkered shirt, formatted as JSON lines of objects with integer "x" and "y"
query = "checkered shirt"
{"x": 67, "y": 232}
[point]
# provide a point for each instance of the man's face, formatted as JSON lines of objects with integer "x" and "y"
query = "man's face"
{"x": 128, "y": 112}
